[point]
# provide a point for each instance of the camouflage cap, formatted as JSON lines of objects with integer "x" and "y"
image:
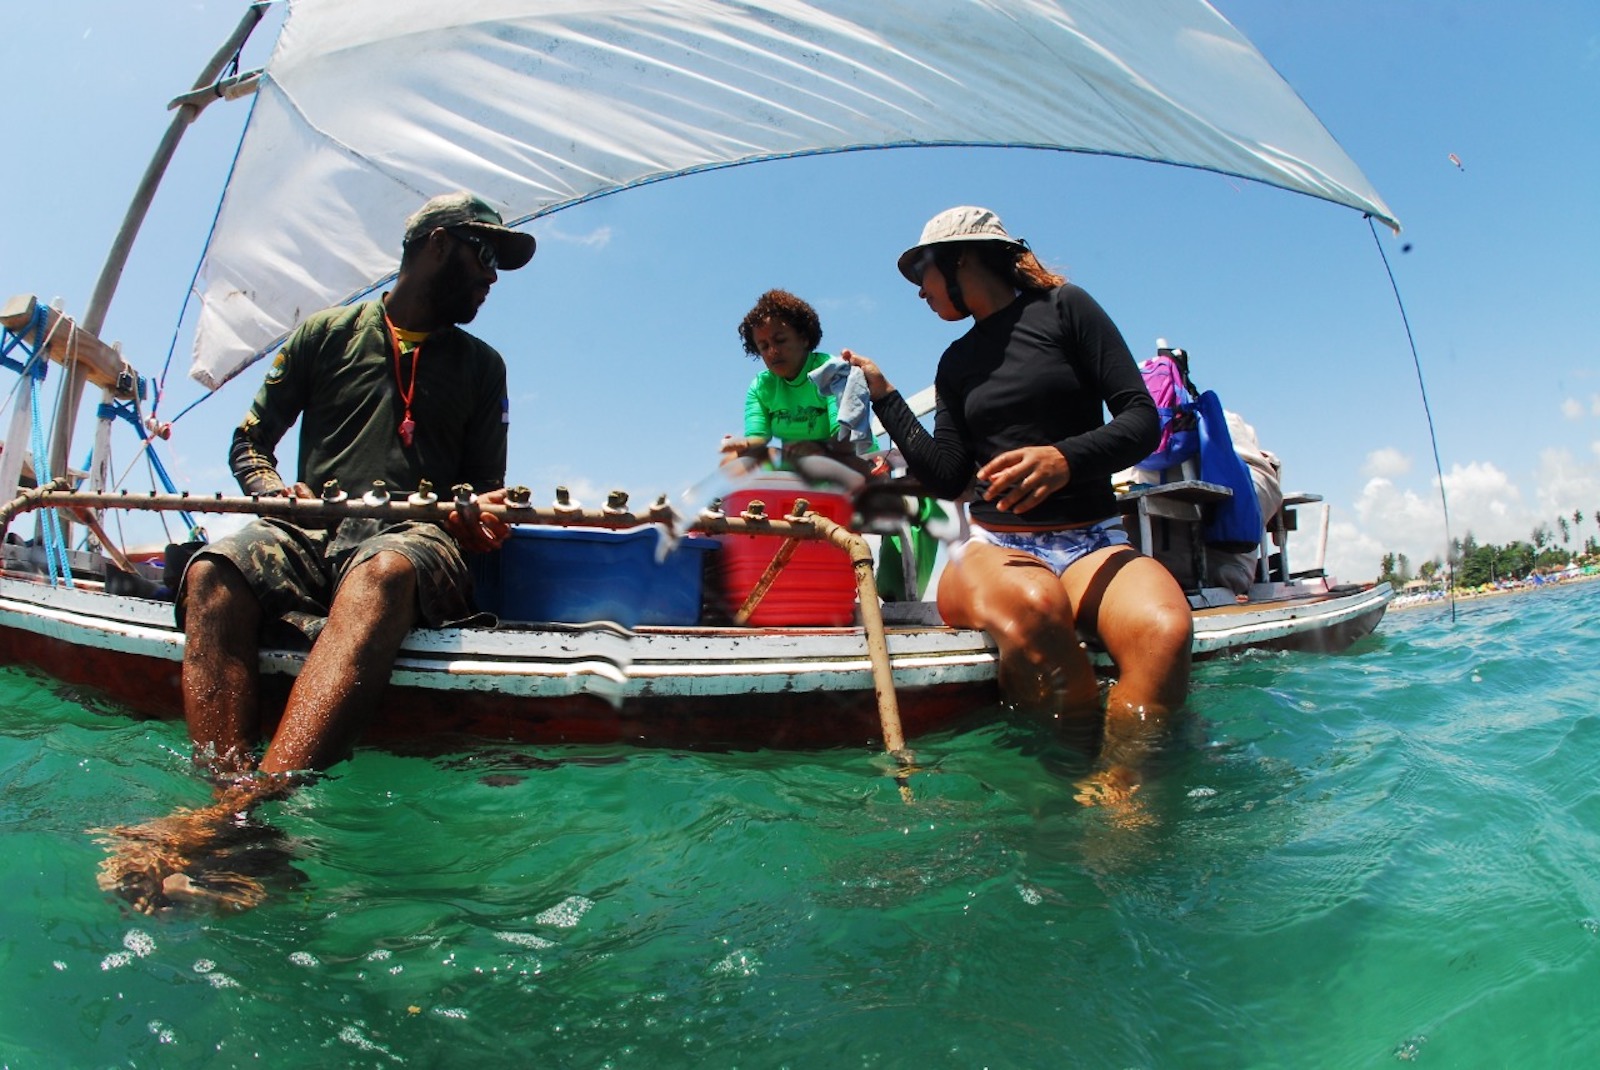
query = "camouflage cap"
{"x": 512, "y": 248}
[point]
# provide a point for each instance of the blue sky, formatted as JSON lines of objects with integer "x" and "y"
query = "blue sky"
{"x": 626, "y": 368}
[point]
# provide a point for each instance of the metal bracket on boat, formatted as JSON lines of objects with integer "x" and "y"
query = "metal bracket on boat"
{"x": 423, "y": 496}
{"x": 564, "y": 502}
{"x": 332, "y": 493}
{"x": 378, "y": 495}
{"x": 467, "y": 505}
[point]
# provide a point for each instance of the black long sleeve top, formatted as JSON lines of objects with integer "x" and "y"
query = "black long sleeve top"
{"x": 1041, "y": 371}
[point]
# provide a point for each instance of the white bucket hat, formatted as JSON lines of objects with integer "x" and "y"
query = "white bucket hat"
{"x": 966, "y": 223}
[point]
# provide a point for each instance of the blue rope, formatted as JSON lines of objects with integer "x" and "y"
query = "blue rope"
{"x": 34, "y": 366}
{"x": 55, "y": 550}
{"x": 147, "y": 446}
{"x": 32, "y": 371}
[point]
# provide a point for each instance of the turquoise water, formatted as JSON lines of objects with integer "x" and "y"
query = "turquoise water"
{"x": 1387, "y": 856}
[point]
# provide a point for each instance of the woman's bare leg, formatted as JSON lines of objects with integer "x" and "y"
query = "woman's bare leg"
{"x": 1141, "y": 616}
{"x": 1025, "y": 609}
{"x": 1143, "y": 620}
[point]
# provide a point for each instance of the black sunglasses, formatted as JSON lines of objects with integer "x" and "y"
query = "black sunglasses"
{"x": 486, "y": 252}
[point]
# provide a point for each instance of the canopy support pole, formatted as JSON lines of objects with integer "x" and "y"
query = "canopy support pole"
{"x": 100, "y": 302}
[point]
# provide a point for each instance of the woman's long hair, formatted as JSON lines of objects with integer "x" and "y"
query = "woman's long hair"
{"x": 1015, "y": 264}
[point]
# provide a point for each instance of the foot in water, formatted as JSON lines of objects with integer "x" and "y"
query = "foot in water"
{"x": 214, "y": 856}
{"x": 1112, "y": 786}
{"x": 1115, "y": 790}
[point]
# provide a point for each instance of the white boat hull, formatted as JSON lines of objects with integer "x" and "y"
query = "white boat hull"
{"x": 678, "y": 686}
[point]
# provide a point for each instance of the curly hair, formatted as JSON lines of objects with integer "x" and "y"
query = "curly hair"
{"x": 781, "y": 305}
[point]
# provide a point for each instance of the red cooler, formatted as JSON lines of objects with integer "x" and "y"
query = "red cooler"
{"x": 816, "y": 587}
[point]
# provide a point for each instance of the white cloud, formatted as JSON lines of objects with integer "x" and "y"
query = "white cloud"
{"x": 862, "y": 304}
{"x": 1353, "y": 556}
{"x": 1483, "y": 500}
{"x": 584, "y": 492}
{"x": 1566, "y": 484}
{"x": 598, "y": 238}
{"x": 1594, "y": 404}
{"x": 1401, "y": 519}
{"x": 1386, "y": 463}
{"x": 1572, "y": 409}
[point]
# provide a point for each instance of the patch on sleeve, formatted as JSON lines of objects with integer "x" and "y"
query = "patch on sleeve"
{"x": 505, "y": 410}
{"x": 280, "y": 364}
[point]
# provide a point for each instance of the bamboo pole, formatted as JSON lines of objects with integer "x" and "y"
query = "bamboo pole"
{"x": 377, "y": 506}
{"x": 335, "y": 505}
{"x": 894, "y": 740}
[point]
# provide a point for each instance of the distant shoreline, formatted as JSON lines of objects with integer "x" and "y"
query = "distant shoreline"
{"x": 1470, "y": 596}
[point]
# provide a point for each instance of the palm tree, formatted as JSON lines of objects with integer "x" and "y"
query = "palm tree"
{"x": 1566, "y": 530}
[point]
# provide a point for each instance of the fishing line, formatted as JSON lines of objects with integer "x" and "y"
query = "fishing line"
{"x": 1422, "y": 388}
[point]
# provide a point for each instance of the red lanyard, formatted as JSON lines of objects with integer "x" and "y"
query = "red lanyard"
{"x": 408, "y": 426}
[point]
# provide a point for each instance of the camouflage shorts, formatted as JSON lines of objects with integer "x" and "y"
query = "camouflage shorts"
{"x": 294, "y": 571}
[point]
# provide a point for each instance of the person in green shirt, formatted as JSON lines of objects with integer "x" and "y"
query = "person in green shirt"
{"x": 783, "y": 403}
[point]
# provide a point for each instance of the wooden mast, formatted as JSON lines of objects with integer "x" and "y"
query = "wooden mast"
{"x": 188, "y": 109}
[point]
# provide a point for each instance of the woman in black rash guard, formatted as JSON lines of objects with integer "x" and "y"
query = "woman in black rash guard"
{"x": 1020, "y": 422}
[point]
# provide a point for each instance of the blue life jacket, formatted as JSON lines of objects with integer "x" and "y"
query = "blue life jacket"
{"x": 1235, "y": 525}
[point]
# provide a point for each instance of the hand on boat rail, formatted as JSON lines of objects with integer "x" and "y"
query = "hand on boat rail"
{"x": 478, "y": 531}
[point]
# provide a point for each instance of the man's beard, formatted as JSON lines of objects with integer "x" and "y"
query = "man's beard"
{"x": 456, "y": 298}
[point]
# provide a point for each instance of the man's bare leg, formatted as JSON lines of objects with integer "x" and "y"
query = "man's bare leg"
{"x": 176, "y": 858}
{"x": 348, "y": 668}
{"x": 221, "y": 666}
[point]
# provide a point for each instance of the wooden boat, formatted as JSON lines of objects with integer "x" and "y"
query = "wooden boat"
{"x": 684, "y": 684}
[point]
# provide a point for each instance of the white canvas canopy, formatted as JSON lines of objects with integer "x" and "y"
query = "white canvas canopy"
{"x": 370, "y": 106}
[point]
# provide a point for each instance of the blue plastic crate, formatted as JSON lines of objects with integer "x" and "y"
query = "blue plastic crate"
{"x": 576, "y": 575}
